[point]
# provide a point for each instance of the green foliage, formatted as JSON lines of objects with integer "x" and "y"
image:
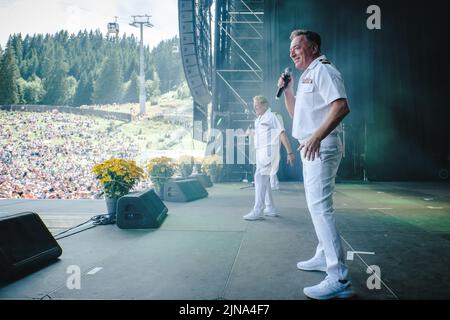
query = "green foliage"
{"x": 71, "y": 89}
{"x": 56, "y": 83}
{"x": 168, "y": 64}
{"x": 152, "y": 89}
{"x": 32, "y": 90}
{"x": 118, "y": 176}
{"x": 108, "y": 86}
{"x": 16, "y": 44}
{"x": 185, "y": 165}
{"x": 132, "y": 89}
{"x": 9, "y": 75}
{"x": 84, "y": 91}
{"x": 30, "y": 64}
{"x": 58, "y": 59}
{"x": 160, "y": 170}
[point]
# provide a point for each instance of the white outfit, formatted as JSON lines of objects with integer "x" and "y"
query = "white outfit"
{"x": 320, "y": 85}
{"x": 274, "y": 183}
{"x": 267, "y": 136}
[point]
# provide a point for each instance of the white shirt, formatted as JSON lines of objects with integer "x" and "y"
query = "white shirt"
{"x": 319, "y": 85}
{"x": 280, "y": 119}
{"x": 267, "y": 136}
{"x": 267, "y": 130}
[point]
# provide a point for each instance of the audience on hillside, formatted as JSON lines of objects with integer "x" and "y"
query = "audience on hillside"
{"x": 50, "y": 155}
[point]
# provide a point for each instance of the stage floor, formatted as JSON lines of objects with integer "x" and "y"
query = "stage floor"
{"x": 205, "y": 250}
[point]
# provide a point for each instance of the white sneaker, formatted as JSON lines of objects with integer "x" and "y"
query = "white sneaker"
{"x": 270, "y": 213}
{"x": 252, "y": 215}
{"x": 329, "y": 289}
{"x": 313, "y": 264}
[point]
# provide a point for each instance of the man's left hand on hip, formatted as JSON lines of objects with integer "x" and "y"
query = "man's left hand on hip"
{"x": 311, "y": 148}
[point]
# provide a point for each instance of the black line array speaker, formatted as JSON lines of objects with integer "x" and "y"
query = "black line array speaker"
{"x": 189, "y": 54}
{"x": 25, "y": 245}
{"x": 140, "y": 210}
{"x": 184, "y": 190}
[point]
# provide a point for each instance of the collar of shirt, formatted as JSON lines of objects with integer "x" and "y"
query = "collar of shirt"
{"x": 310, "y": 67}
{"x": 262, "y": 116}
{"x": 315, "y": 62}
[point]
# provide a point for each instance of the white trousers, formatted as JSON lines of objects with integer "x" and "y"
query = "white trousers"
{"x": 319, "y": 181}
{"x": 274, "y": 181}
{"x": 263, "y": 192}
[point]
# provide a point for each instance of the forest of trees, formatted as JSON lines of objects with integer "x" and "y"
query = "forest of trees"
{"x": 85, "y": 68}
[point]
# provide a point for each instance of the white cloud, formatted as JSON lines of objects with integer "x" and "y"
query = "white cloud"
{"x": 50, "y": 16}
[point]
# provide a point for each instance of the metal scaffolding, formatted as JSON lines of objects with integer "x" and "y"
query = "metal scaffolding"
{"x": 238, "y": 59}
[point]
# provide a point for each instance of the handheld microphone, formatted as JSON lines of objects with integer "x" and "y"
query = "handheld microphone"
{"x": 286, "y": 77}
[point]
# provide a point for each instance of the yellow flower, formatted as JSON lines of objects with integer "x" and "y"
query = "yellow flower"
{"x": 211, "y": 164}
{"x": 160, "y": 169}
{"x": 117, "y": 176}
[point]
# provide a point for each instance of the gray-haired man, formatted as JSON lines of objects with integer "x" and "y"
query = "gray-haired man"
{"x": 268, "y": 133}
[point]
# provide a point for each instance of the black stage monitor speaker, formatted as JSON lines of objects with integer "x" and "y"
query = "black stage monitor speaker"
{"x": 190, "y": 53}
{"x": 204, "y": 179}
{"x": 25, "y": 245}
{"x": 140, "y": 210}
{"x": 184, "y": 190}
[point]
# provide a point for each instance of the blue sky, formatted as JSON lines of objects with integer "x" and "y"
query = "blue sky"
{"x": 49, "y": 16}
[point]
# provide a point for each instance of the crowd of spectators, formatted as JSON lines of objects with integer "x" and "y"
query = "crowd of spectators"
{"x": 50, "y": 155}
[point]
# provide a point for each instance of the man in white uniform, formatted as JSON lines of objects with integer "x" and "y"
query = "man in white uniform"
{"x": 317, "y": 109}
{"x": 268, "y": 133}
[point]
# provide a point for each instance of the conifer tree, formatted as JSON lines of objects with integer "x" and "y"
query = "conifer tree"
{"x": 15, "y": 42}
{"x": 9, "y": 76}
{"x": 84, "y": 91}
{"x": 132, "y": 93}
{"x": 108, "y": 85}
{"x": 55, "y": 77}
{"x": 168, "y": 64}
{"x": 56, "y": 58}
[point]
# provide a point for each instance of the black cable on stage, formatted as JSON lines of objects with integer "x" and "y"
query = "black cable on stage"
{"x": 101, "y": 219}
{"x": 71, "y": 228}
{"x": 71, "y": 234}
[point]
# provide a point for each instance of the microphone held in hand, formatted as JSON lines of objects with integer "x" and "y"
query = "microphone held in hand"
{"x": 286, "y": 77}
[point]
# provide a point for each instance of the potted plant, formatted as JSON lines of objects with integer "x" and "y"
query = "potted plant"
{"x": 212, "y": 165}
{"x": 197, "y": 167}
{"x": 185, "y": 165}
{"x": 118, "y": 177}
{"x": 160, "y": 170}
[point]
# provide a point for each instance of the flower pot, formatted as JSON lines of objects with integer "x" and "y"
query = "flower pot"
{"x": 111, "y": 206}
